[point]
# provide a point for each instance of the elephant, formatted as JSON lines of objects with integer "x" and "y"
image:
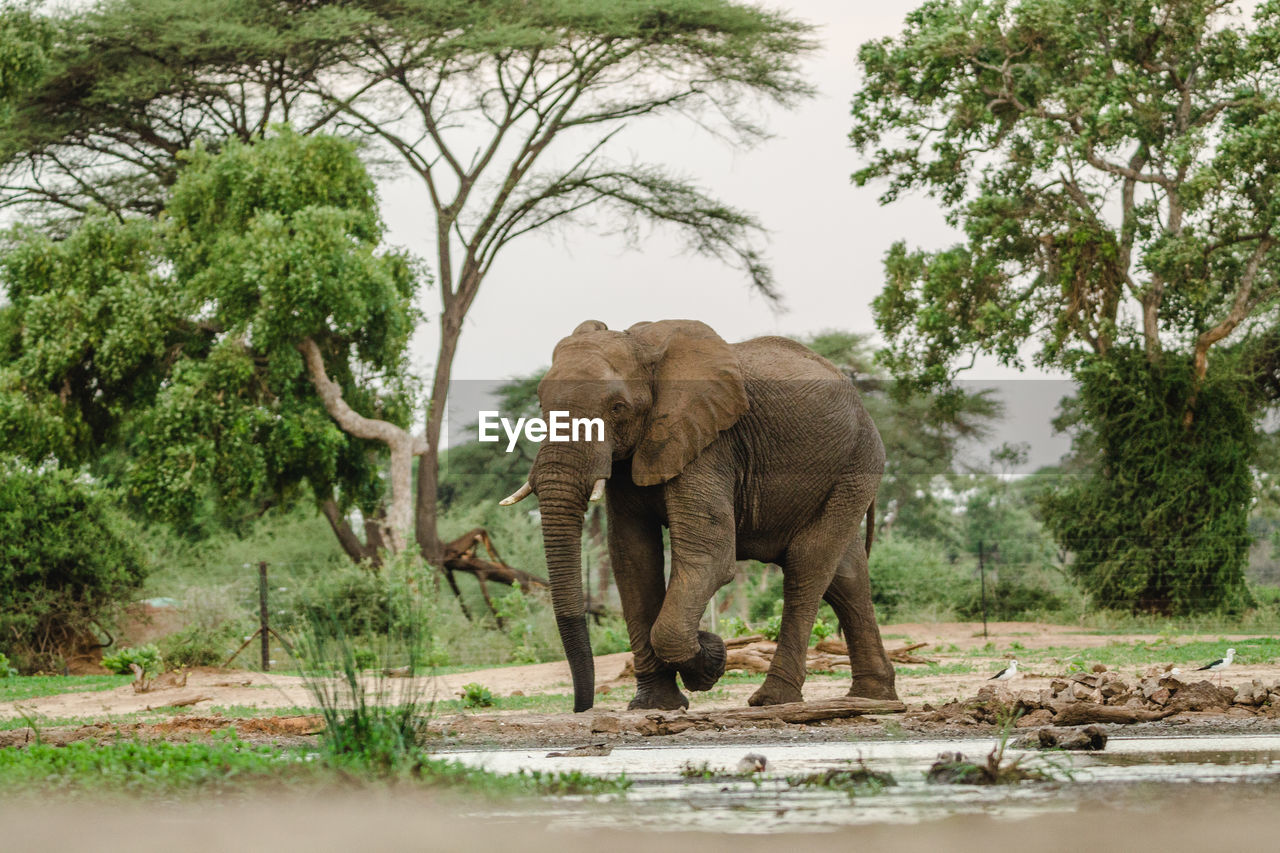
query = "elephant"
{"x": 758, "y": 450}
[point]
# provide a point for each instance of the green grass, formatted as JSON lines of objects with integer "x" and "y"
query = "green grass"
{"x": 939, "y": 668}
{"x": 34, "y": 686}
{"x": 226, "y": 765}
{"x": 1257, "y": 650}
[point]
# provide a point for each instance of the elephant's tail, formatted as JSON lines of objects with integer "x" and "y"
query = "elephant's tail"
{"x": 871, "y": 526}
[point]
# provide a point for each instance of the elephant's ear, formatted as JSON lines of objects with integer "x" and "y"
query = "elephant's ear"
{"x": 697, "y": 392}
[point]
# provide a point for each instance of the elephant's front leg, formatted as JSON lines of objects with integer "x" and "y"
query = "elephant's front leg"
{"x": 702, "y": 561}
{"x": 635, "y": 549}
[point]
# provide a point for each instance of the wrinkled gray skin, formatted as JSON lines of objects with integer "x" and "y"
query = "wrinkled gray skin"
{"x": 759, "y": 450}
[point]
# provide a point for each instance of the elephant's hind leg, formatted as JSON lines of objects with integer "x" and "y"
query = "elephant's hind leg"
{"x": 807, "y": 569}
{"x": 850, "y": 597}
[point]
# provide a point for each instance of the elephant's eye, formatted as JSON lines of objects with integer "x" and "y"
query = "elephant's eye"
{"x": 619, "y": 406}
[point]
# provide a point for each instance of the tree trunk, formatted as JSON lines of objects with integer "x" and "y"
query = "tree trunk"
{"x": 426, "y": 515}
{"x": 402, "y": 444}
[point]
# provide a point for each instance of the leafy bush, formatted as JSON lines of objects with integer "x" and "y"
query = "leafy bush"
{"x": 6, "y": 669}
{"x": 67, "y": 560}
{"x": 1158, "y": 519}
{"x": 476, "y": 696}
{"x": 370, "y": 724}
{"x": 1011, "y": 599}
{"x": 197, "y": 645}
{"x": 148, "y": 657}
{"x": 912, "y": 577}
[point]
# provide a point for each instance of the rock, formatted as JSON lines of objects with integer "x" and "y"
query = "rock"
{"x": 1038, "y": 717}
{"x": 1091, "y": 738}
{"x": 1058, "y": 685}
{"x": 1253, "y": 694}
{"x": 1202, "y": 696}
{"x": 1090, "y": 681}
{"x": 1113, "y": 687}
{"x": 1097, "y": 667}
{"x": 1029, "y": 700}
{"x": 606, "y": 724}
{"x": 1079, "y": 691}
{"x": 1160, "y": 696}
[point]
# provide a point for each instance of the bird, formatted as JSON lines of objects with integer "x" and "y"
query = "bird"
{"x": 1005, "y": 674}
{"x": 752, "y": 762}
{"x": 1219, "y": 665}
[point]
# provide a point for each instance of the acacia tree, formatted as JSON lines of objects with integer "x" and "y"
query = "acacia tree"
{"x": 1113, "y": 167}
{"x": 501, "y": 108}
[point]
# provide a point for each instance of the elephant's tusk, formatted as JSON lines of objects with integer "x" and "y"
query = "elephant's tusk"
{"x": 597, "y": 491}
{"x": 518, "y": 495}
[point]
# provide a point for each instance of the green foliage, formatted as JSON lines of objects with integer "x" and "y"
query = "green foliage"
{"x": 147, "y": 657}
{"x": 67, "y": 560}
{"x": 1180, "y": 542}
{"x": 227, "y": 765}
{"x": 1012, "y": 600}
{"x": 199, "y": 645}
{"x": 31, "y": 686}
{"x": 373, "y": 725}
{"x": 914, "y": 578}
{"x": 166, "y": 353}
{"x": 732, "y": 626}
{"x": 6, "y": 669}
{"x": 1110, "y": 214}
{"x": 476, "y": 696}
{"x": 141, "y": 768}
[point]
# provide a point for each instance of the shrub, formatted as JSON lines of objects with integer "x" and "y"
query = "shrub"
{"x": 197, "y": 645}
{"x": 371, "y": 724}
{"x": 476, "y": 696}
{"x": 1010, "y": 599}
{"x": 67, "y": 560}
{"x": 1158, "y": 518}
{"x": 148, "y": 657}
{"x": 6, "y": 669}
{"x": 914, "y": 577}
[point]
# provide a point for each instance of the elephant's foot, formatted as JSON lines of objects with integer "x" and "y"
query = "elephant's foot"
{"x": 873, "y": 687}
{"x": 658, "y": 691}
{"x": 703, "y": 670}
{"x": 775, "y": 692}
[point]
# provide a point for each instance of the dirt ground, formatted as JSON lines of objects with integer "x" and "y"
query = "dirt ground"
{"x": 207, "y": 688}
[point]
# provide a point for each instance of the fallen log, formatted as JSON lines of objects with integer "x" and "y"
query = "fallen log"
{"x": 795, "y": 713}
{"x": 902, "y": 654}
{"x": 1083, "y": 713}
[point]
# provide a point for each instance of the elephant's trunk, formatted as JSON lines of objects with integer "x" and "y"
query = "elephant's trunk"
{"x": 563, "y": 505}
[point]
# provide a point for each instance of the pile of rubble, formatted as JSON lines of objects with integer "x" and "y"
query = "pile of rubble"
{"x": 1107, "y": 697}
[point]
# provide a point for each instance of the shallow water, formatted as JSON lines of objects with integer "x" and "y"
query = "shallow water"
{"x": 1134, "y": 771}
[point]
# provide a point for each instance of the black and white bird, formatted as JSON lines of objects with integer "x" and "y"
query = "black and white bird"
{"x": 1005, "y": 674}
{"x": 1219, "y": 665}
